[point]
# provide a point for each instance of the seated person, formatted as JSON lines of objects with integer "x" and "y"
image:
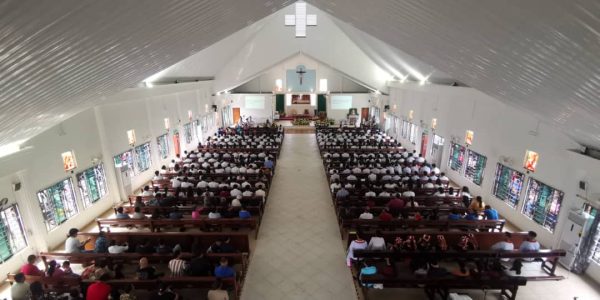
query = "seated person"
{"x": 471, "y": 215}
{"x": 477, "y": 204}
{"x": 30, "y": 269}
{"x": 530, "y": 244}
{"x": 54, "y": 270}
{"x": 120, "y": 214}
{"x": 356, "y": 244}
{"x": 137, "y": 214}
{"x": 177, "y": 265}
{"x": 101, "y": 245}
{"x": 505, "y": 245}
{"x": 454, "y": 215}
{"x": 223, "y": 270}
{"x": 489, "y": 213}
{"x": 144, "y": 247}
{"x": 385, "y": 215}
{"x": 72, "y": 244}
{"x": 199, "y": 265}
{"x": 244, "y": 214}
{"x": 162, "y": 248}
{"x": 164, "y": 292}
{"x": 145, "y": 271}
{"x": 366, "y": 215}
{"x": 19, "y": 290}
{"x": 435, "y": 270}
{"x": 114, "y": 248}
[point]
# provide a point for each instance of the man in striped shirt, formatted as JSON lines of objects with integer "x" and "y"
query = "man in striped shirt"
{"x": 177, "y": 265}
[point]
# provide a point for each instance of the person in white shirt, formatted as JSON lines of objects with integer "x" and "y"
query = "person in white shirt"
{"x": 366, "y": 215}
{"x": 377, "y": 242}
{"x": 408, "y": 193}
{"x": 214, "y": 214}
{"x": 157, "y": 176}
{"x": 420, "y": 159}
{"x": 146, "y": 192}
{"x": 175, "y": 182}
{"x": 202, "y": 184}
{"x": 237, "y": 201}
{"x": 425, "y": 169}
{"x": 505, "y": 245}
{"x": 440, "y": 193}
{"x": 137, "y": 214}
{"x": 260, "y": 192}
{"x": 163, "y": 170}
{"x": 351, "y": 177}
{"x": 429, "y": 185}
{"x": 370, "y": 194}
{"x": 335, "y": 185}
{"x": 72, "y": 244}
{"x": 117, "y": 249}
{"x": 185, "y": 184}
{"x": 213, "y": 185}
{"x": 235, "y": 192}
{"x": 530, "y": 244}
{"x": 334, "y": 176}
{"x": 384, "y": 194}
{"x": 247, "y": 192}
{"x": 444, "y": 178}
{"x": 356, "y": 170}
{"x": 435, "y": 169}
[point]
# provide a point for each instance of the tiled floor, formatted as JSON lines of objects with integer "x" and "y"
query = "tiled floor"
{"x": 299, "y": 253}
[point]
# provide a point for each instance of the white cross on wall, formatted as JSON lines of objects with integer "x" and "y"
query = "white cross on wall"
{"x": 300, "y": 19}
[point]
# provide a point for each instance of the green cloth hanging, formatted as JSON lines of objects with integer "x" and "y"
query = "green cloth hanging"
{"x": 280, "y": 103}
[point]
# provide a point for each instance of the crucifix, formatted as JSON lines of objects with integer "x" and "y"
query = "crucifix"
{"x": 300, "y": 70}
{"x": 300, "y": 19}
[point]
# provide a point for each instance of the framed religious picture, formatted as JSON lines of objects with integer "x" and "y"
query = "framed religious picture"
{"x": 69, "y": 162}
{"x": 531, "y": 160}
{"x": 469, "y": 137}
{"x": 301, "y": 99}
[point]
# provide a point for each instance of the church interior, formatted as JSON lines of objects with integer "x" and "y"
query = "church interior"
{"x": 340, "y": 149}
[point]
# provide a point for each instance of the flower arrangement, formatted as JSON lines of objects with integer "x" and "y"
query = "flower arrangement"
{"x": 301, "y": 122}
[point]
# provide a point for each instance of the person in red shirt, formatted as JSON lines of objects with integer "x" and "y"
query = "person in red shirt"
{"x": 385, "y": 215}
{"x": 30, "y": 268}
{"x": 99, "y": 290}
{"x": 396, "y": 205}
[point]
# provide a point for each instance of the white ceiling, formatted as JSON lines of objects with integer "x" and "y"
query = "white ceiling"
{"x": 539, "y": 55}
{"x": 60, "y": 57}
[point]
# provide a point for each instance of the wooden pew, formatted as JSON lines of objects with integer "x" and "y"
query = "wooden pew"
{"x": 238, "y": 240}
{"x": 133, "y": 258}
{"x": 60, "y": 285}
{"x": 485, "y": 241}
{"x": 247, "y": 201}
{"x": 442, "y": 225}
{"x": 156, "y": 224}
{"x": 66, "y": 284}
{"x": 508, "y": 285}
{"x": 256, "y": 211}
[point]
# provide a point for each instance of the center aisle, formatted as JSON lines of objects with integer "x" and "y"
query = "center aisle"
{"x": 299, "y": 253}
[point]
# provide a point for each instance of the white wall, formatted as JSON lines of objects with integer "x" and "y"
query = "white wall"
{"x": 97, "y": 133}
{"x": 500, "y": 130}
{"x": 358, "y": 101}
{"x": 258, "y": 115}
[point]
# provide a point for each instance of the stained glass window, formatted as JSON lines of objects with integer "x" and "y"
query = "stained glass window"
{"x": 542, "y": 204}
{"x": 163, "y": 146}
{"x": 508, "y": 185}
{"x": 475, "y": 167}
{"x": 457, "y": 157}
{"x": 125, "y": 159}
{"x": 92, "y": 184}
{"x": 187, "y": 133}
{"x": 58, "y": 203}
{"x": 143, "y": 160}
{"x": 12, "y": 234}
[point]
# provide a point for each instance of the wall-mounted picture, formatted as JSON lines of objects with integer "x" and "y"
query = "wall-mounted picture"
{"x": 469, "y": 137}
{"x": 131, "y": 137}
{"x": 301, "y": 99}
{"x": 531, "y": 160}
{"x": 69, "y": 162}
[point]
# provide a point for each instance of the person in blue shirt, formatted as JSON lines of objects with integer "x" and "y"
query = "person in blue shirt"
{"x": 120, "y": 214}
{"x": 471, "y": 215}
{"x": 244, "y": 214}
{"x": 268, "y": 163}
{"x": 454, "y": 215}
{"x": 224, "y": 270}
{"x": 101, "y": 245}
{"x": 489, "y": 213}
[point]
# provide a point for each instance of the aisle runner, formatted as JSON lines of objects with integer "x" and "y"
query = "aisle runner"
{"x": 299, "y": 254}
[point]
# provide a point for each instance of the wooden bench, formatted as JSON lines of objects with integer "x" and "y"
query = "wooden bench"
{"x": 133, "y": 258}
{"x": 248, "y": 201}
{"x": 205, "y": 239}
{"x": 187, "y": 210}
{"x": 485, "y": 240}
{"x": 204, "y": 224}
{"x": 507, "y": 285}
{"x": 66, "y": 284}
{"x": 443, "y": 225}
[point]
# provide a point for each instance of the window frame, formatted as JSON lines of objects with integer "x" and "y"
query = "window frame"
{"x": 8, "y": 232}
{"x": 547, "y": 208}
{"x": 136, "y": 158}
{"x": 496, "y": 184}
{"x": 49, "y": 226}
{"x": 463, "y": 149}
{"x": 167, "y": 149}
{"x": 466, "y": 167}
{"x": 100, "y": 181}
